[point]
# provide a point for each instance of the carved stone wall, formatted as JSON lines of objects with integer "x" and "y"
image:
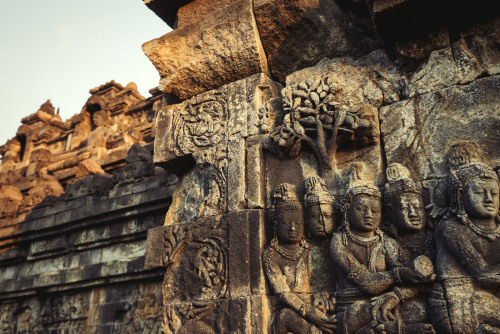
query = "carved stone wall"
{"x": 336, "y": 171}
{"x": 352, "y": 194}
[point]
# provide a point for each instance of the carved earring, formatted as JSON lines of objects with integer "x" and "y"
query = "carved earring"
{"x": 275, "y": 237}
{"x": 461, "y": 214}
{"x": 347, "y": 229}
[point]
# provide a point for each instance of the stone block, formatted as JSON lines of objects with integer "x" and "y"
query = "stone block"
{"x": 154, "y": 248}
{"x": 236, "y": 177}
{"x": 48, "y": 245}
{"x": 297, "y": 34}
{"x": 418, "y": 132}
{"x": 239, "y": 250}
{"x": 246, "y": 242}
{"x": 255, "y": 169}
{"x": 444, "y": 68}
{"x": 257, "y": 241}
{"x": 373, "y": 79}
{"x": 223, "y": 47}
{"x": 197, "y": 10}
{"x": 208, "y": 150}
{"x": 262, "y": 103}
{"x": 228, "y": 112}
{"x": 225, "y": 315}
{"x": 483, "y": 42}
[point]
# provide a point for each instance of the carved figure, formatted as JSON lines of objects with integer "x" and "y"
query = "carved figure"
{"x": 7, "y": 318}
{"x": 23, "y": 324}
{"x": 319, "y": 227}
{"x": 319, "y": 204}
{"x": 11, "y": 153}
{"x": 468, "y": 248}
{"x": 99, "y": 136}
{"x": 10, "y": 200}
{"x": 366, "y": 261}
{"x": 46, "y": 185}
{"x": 287, "y": 265}
{"x": 403, "y": 198}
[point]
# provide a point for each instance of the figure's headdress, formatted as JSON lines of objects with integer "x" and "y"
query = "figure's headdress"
{"x": 360, "y": 180}
{"x": 316, "y": 192}
{"x": 284, "y": 197}
{"x": 399, "y": 182}
{"x": 466, "y": 165}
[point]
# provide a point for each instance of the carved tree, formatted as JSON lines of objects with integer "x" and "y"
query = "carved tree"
{"x": 313, "y": 116}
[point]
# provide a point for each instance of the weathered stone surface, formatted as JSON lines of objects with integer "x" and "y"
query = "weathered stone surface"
{"x": 205, "y": 143}
{"x": 483, "y": 40}
{"x": 373, "y": 79}
{"x": 357, "y": 201}
{"x": 417, "y": 132}
{"x": 10, "y": 200}
{"x": 221, "y": 48}
{"x": 198, "y": 10}
{"x": 255, "y": 177}
{"x": 444, "y": 68}
{"x": 297, "y": 34}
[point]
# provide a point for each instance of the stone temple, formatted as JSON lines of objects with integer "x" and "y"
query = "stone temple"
{"x": 304, "y": 166}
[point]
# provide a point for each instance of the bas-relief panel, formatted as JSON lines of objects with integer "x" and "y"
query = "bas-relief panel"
{"x": 351, "y": 245}
{"x": 86, "y": 312}
{"x": 393, "y": 267}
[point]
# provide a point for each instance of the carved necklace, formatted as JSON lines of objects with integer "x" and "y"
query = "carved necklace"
{"x": 491, "y": 236}
{"x": 419, "y": 248}
{"x": 363, "y": 242}
{"x": 289, "y": 255}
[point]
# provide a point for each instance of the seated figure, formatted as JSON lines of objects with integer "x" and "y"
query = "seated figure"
{"x": 468, "y": 249}
{"x": 99, "y": 136}
{"x": 287, "y": 265}
{"x": 366, "y": 262}
{"x": 319, "y": 229}
{"x": 403, "y": 199}
{"x": 319, "y": 205}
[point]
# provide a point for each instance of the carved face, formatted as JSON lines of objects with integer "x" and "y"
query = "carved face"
{"x": 290, "y": 226}
{"x": 98, "y": 119}
{"x": 481, "y": 199}
{"x": 320, "y": 221}
{"x": 408, "y": 213}
{"x": 364, "y": 213}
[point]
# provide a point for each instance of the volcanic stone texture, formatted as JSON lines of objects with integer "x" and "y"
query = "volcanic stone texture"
{"x": 418, "y": 132}
{"x": 297, "y": 34}
{"x": 221, "y": 48}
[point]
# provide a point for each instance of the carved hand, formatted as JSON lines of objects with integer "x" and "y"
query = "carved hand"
{"x": 490, "y": 282}
{"x": 324, "y": 301}
{"x": 408, "y": 276}
{"x": 384, "y": 303}
{"x": 320, "y": 319}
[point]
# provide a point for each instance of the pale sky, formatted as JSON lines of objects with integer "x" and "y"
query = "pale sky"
{"x": 60, "y": 49}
